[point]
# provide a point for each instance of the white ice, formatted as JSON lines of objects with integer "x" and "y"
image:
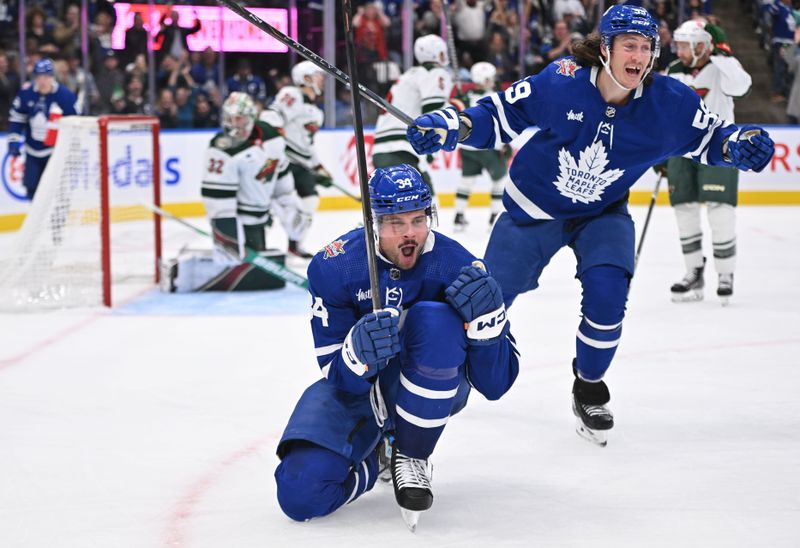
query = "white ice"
{"x": 154, "y": 425}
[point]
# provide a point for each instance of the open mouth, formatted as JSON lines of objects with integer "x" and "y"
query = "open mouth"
{"x": 408, "y": 249}
{"x": 633, "y": 71}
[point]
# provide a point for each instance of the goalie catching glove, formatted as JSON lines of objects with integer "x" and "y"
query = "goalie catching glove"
{"x": 435, "y": 131}
{"x": 372, "y": 342}
{"x": 750, "y": 148}
{"x": 477, "y": 298}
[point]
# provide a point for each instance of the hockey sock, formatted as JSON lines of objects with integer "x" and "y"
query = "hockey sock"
{"x": 463, "y": 191}
{"x": 605, "y": 290}
{"x": 722, "y": 218}
{"x": 691, "y": 235}
{"x": 496, "y": 203}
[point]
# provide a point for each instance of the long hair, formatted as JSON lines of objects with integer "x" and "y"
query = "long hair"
{"x": 587, "y": 54}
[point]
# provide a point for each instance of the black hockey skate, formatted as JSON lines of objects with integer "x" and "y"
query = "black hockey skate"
{"x": 690, "y": 288}
{"x": 460, "y": 223}
{"x": 492, "y": 219}
{"x": 725, "y": 288}
{"x": 595, "y": 419}
{"x": 412, "y": 486}
{"x": 297, "y": 251}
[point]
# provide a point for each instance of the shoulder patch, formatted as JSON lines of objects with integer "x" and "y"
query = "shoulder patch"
{"x": 334, "y": 248}
{"x": 567, "y": 67}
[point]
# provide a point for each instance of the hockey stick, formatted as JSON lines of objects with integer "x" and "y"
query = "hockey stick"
{"x": 345, "y": 191}
{"x": 451, "y": 43}
{"x": 361, "y": 156}
{"x": 259, "y": 23}
{"x": 251, "y": 256}
{"x": 647, "y": 222}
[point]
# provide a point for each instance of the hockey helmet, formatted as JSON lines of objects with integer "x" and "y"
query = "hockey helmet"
{"x": 44, "y": 67}
{"x": 307, "y": 69}
{"x": 483, "y": 73}
{"x": 398, "y": 189}
{"x": 694, "y": 32}
{"x": 238, "y": 116}
{"x": 625, "y": 19}
{"x": 431, "y": 49}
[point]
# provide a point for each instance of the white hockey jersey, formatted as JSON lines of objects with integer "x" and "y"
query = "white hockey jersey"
{"x": 419, "y": 90}
{"x": 300, "y": 120}
{"x": 242, "y": 180}
{"x": 718, "y": 82}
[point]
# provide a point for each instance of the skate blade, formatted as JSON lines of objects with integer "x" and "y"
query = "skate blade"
{"x": 725, "y": 301}
{"x": 689, "y": 297}
{"x": 459, "y": 228}
{"x": 597, "y": 437}
{"x": 411, "y": 517}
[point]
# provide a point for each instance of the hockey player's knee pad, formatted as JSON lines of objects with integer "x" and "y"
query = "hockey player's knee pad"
{"x": 605, "y": 291}
{"x": 313, "y": 481}
{"x": 433, "y": 335}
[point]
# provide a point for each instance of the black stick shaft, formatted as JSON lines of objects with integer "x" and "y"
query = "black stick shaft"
{"x": 361, "y": 156}
{"x": 259, "y": 23}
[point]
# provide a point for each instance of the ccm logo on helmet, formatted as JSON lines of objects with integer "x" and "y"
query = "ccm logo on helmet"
{"x": 410, "y": 198}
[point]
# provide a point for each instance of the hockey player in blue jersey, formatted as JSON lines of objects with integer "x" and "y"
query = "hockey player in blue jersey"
{"x": 603, "y": 120}
{"x": 34, "y": 118}
{"x": 398, "y": 373}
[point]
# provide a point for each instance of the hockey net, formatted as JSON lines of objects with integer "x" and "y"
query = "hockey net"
{"x": 87, "y": 230}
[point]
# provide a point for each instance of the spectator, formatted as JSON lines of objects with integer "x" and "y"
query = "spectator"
{"x": 369, "y": 23}
{"x": 667, "y": 54}
{"x": 138, "y": 68}
{"x": 793, "y": 64}
{"x": 430, "y": 21}
{"x": 172, "y": 37}
{"x": 469, "y": 21}
{"x": 118, "y": 105}
{"x": 135, "y": 101}
{"x": 9, "y": 14}
{"x": 206, "y": 71}
{"x": 100, "y": 39}
{"x": 783, "y": 27}
{"x": 184, "y": 103}
{"x": 109, "y": 80}
{"x": 135, "y": 40}
{"x": 40, "y": 32}
{"x": 560, "y": 45}
{"x": 67, "y": 33}
{"x": 9, "y": 86}
{"x": 166, "y": 110}
{"x": 172, "y": 73}
{"x": 82, "y": 84}
{"x": 244, "y": 80}
{"x": 206, "y": 115}
{"x": 498, "y": 56}
{"x": 562, "y": 7}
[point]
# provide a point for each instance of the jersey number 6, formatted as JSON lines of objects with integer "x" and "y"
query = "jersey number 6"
{"x": 518, "y": 91}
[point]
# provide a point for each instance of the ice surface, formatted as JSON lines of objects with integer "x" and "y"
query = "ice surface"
{"x": 155, "y": 424}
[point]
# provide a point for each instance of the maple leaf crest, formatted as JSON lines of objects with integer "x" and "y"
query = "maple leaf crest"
{"x": 585, "y": 180}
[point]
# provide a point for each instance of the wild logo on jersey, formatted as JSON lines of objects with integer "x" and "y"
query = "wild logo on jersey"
{"x": 584, "y": 181}
{"x": 267, "y": 170}
{"x": 334, "y": 248}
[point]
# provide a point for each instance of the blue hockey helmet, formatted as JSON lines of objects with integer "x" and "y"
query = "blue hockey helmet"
{"x": 398, "y": 189}
{"x": 624, "y": 19}
{"x": 44, "y": 67}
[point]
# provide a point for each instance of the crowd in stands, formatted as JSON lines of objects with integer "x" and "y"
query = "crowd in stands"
{"x": 190, "y": 90}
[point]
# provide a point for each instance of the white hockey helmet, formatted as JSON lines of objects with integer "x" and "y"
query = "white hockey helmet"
{"x": 482, "y": 74}
{"x": 238, "y": 116}
{"x": 694, "y": 32}
{"x": 431, "y": 49}
{"x": 307, "y": 69}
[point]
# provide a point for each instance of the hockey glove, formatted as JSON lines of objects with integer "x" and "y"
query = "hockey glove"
{"x": 477, "y": 298}
{"x": 372, "y": 342}
{"x": 322, "y": 177}
{"x": 14, "y": 148}
{"x": 442, "y": 131}
{"x": 750, "y": 148}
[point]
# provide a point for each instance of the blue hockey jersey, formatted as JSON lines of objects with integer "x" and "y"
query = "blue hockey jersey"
{"x": 588, "y": 153}
{"x": 340, "y": 294}
{"x": 33, "y": 115}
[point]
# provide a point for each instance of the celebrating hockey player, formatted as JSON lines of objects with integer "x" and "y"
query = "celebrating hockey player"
{"x": 604, "y": 119}
{"x": 423, "y": 88}
{"x": 400, "y": 372}
{"x": 474, "y": 161}
{"x": 295, "y": 112}
{"x": 718, "y": 78}
{"x": 241, "y": 184}
{"x": 34, "y": 121}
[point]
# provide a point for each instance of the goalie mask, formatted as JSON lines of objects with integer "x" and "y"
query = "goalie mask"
{"x": 482, "y": 74}
{"x": 238, "y": 116}
{"x": 305, "y": 74}
{"x": 431, "y": 49}
{"x": 694, "y": 33}
{"x": 624, "y": 19}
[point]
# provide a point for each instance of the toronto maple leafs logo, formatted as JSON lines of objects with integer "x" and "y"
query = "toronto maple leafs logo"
{"x": 586, "y": 180}
{"x": 567, "y": 67}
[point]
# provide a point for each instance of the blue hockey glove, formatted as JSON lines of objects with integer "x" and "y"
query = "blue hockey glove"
{"x": 477, "y": 298}
{"x": 372, "y": 342}
{"x": 14, "y": 148}
{"x": 442, "y": 131}
{"x": 750, "y": 148}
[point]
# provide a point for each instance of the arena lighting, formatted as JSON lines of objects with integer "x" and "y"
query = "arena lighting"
{"x": 237, "y": 34}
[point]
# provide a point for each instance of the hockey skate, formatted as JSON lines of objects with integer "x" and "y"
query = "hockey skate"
{"x": 594, "y": 418}
{"x": 412, "y": 486}
{"x": 690, "y": 288}
{"x": 725, "y": 288}
{"x": 297, "y": 251}
{"x": 460, "y": 223}
{"x": 384, "y": 453}
{"x": 492, "y": 219}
